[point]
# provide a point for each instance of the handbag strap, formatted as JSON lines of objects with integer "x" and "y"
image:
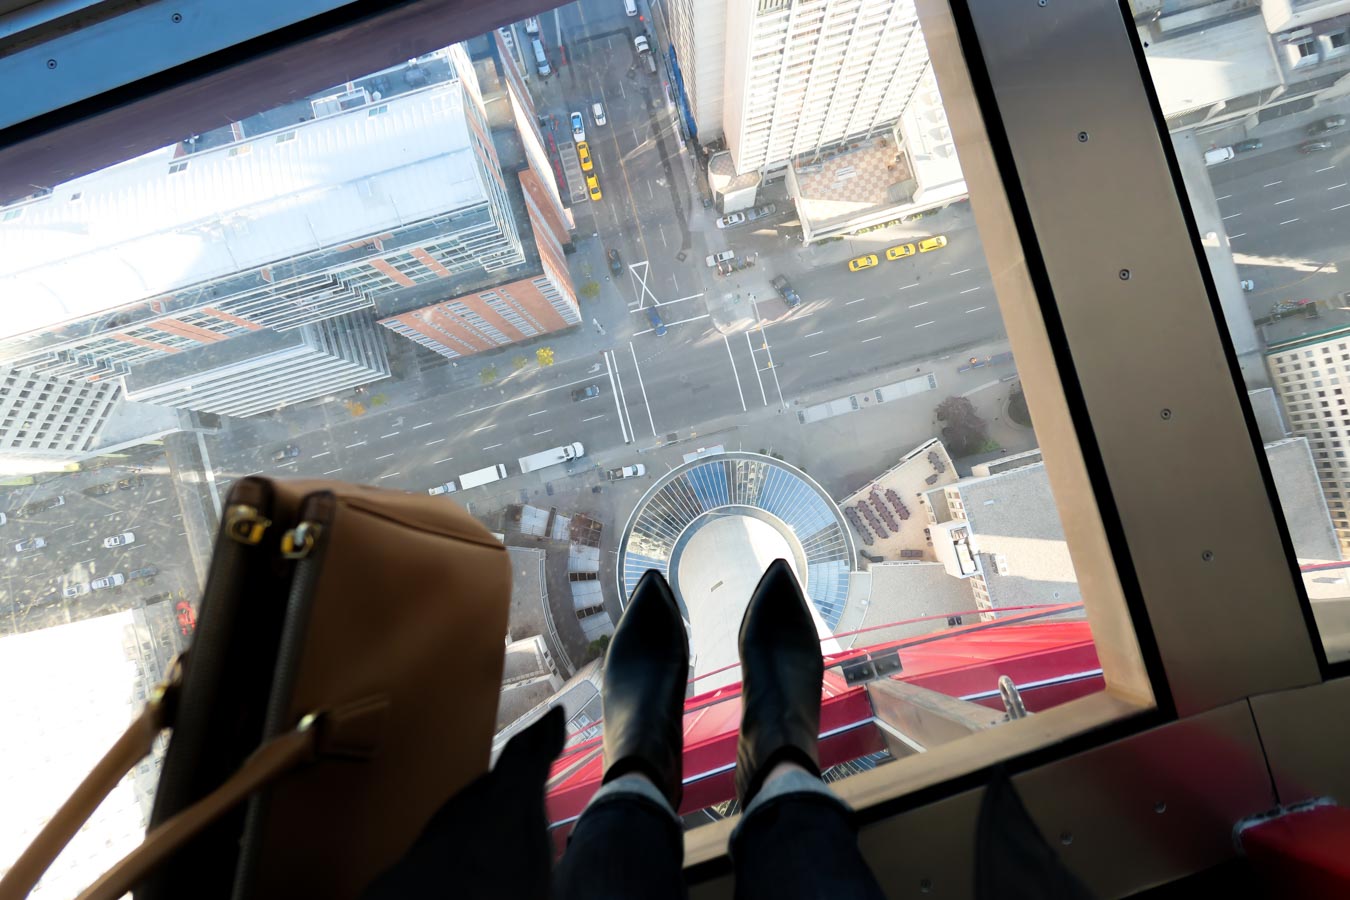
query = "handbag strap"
{"x": 271, "y": 760}
{"x": 128, "y": 749}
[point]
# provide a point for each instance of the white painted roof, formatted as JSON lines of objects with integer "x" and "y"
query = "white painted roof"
{"x": 1211, "y": 64}
{"x": 136, "y": 231}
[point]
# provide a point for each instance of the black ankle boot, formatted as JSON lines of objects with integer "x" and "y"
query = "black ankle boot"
{"x": 781, "y": 672}
{"x": 646, "y": 671}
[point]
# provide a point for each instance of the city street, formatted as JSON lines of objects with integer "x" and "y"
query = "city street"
{"x": 74, "y": 553}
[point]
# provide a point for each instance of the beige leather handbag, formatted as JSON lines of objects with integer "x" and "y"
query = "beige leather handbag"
{"x": 341, "y": 685}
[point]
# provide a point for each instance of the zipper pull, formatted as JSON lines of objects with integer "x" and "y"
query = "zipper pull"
{"x": 300, "y": 540}
{"x": 243, "y": 523}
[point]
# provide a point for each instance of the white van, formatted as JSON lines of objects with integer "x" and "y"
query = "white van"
{"x": 630, "y": 7}
{"x": 1219, "y": 155}
{"x": 480, "y": 477}
{"x": 541, "y": 59}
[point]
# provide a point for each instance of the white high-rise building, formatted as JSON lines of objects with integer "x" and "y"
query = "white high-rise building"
{"x": 698, "y": 31}
{"x": 803, "y": 76}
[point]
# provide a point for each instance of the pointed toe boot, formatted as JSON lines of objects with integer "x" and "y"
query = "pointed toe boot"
{"x": 781, "y": 677}
{"x": 646, "y": 672}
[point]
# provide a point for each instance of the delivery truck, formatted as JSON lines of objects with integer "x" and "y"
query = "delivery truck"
{"x": 545, "y": 458}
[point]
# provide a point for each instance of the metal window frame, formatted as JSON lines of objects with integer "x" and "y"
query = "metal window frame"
{"x": 1186, "y": 567}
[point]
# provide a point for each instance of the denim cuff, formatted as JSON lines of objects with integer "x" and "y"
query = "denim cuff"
{"x": 632, "y": 785}
{"x": 794, "y": 782}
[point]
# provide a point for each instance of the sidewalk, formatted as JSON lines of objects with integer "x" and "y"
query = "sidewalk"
{"x": 1277, "y": 134}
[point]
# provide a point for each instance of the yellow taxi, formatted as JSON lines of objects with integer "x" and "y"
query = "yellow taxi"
{"x": 901, "y": 252}
{"x": 862, "y": 262}
{"x": 933, "y": 243}
{"x": 584, "y": 154}
{"x": 593, "y": 185}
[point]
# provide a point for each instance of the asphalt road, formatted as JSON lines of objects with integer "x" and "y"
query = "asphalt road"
{"x": 33, "y": 580}
{"x": 1282, "y": 203}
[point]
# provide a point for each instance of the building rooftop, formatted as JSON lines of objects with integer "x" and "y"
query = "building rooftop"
{"x": 845, "y": 187}
{"x": 1301, "y": 499}
{"x": 910, "y": 590}
{"x": 902, "y": 483}
{"x": 147, "y": 227}
{"x": 1212, "y": 64}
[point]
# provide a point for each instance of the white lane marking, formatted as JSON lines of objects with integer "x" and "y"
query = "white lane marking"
{"x": 439, "y": 461}
{"x": 332, "y": 471}
{"x": 72, "y": 524}
{"x": 645, "y": 401}
{"x": 179, "y": 516}
{"x": 737, "y": 375}
{"x": 539, "y": 433}
{"x": 434, "y": 443}
{"x": 492, "y": 446}
{"x": 357, "y": 444}
{"x": 917, "y": 305}
{"x": 773, "y": 369}
{"x": 390, "y": 475}
{"x": 285, "y": 464}
{"x": 821, "y": 353}
{"x": 483, "y": 428}
{"x": 1288, "y": 222}
{"x": 1234, "y": 237}
{"x": 922, "y": 324}
{"x": 614, "y": 390}
{"x": 1342, "y": 206}
{"x": 389, "y": 435}
{"x": 762, "y": 396}
{"x": 968, "y": 290}
{"x": 851, "y": 302}
{"x": 976, "y": 309}
{"x": 1233, "y": 216}
{"x": 1272, "y": 184}
{"x": 160, "y": 500}
{"x": 877, "y": 338}
{"x": 593, "y": 418}
{"x": 812, "y": 334}
{"x": 423, "y": 425}
{"x": 961, "y": 272}
{"x": 182, "y": 534}
{"x": 540, "y": 413}
{"x": 386, "y": 456}
{"x": 908, "y": 286}
{"x": 868, "y": 319}
{"x": 1290, "y": 200}
{"x": 1341, "y": 185}
{"x": 1224, "y": 197}
{"x": 1327, "y": 169}
{"x": 110, "y": 515}
{"x": 317, "y": 455}
{"x": 684, "y": 321}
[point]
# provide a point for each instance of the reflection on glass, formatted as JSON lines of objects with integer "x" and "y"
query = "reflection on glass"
{"x": 1250, "y": 99}
{"x": 637, "y": 293}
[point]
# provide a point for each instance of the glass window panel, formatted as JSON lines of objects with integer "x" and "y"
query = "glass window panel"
{"x": 1259, "y": 130}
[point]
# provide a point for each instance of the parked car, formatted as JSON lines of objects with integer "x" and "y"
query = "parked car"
{"x": 1314, "y": 146}
{"x": 1322, "y": 126}
{"x": 1247, "y": 145}
{"x": 1219, "y": 155}
{"x": 144, "y": 573}
{"x": 626, "y": 472}
{"x": 36, "y": 543}
{"x": 578, "y": 127}
{"x": 119, "y": 540}
{"x": 784, "y": 289}
{"x": 438, "y": 490}
{"x": 598, "y": 114}
{"x": 159, "y": 598}
{"x": 29, "y": 509}
{"x": 187, "y": 620}
{"x": 761, "y": 212}
{"x": 615, "y": 264}
{"x": 75, "y": 590}
{"x": 901, "y": 251}
{"x": 719, "y": 258}
{"x": 116, "y": 579}
{"x": 54, "y": 502}
{"x": 655, "y": 318}
{"x": 532, "y": 25}
{"x": 862, "y": 262}
{"x": 584, "y": 154}
{"x": 290, "y": 451}
{"x": 593, "y": 187}
{"x": 585, "y": 393}
{"x": 640, "y": 44}
{"x": 126, "y": 484}
{"x": 99, "y": 490}
{"x": 932, "y": 243}
{"x": 1247, "y": 284}
{"x": 3, "y": 518}
{"x": 731, "y": 221}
